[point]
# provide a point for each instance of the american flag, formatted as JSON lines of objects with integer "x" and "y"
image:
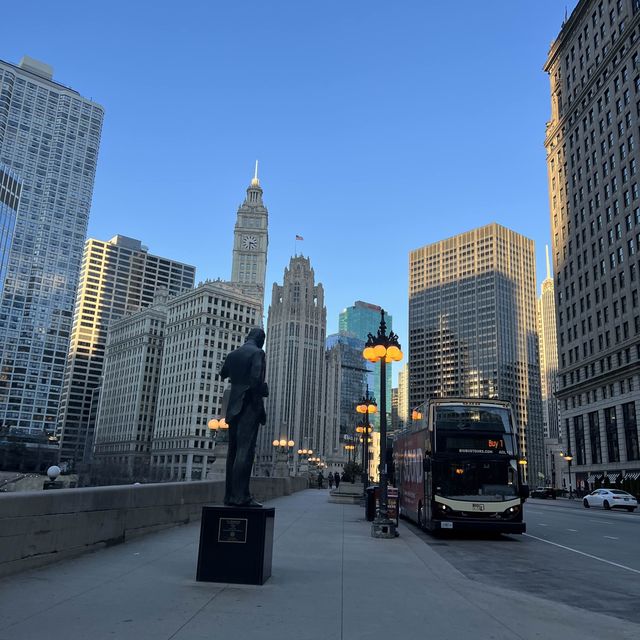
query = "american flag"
{"x": 299, "y": 237}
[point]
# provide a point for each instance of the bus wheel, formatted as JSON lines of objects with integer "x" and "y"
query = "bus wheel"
{"x": 420, "y": 516}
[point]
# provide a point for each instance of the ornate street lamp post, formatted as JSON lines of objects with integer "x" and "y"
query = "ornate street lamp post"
{"x": 218, "y": 430}
{"x": 366, "y": 407}
{"x": 568, "y": 457}
{"x": 303, "y": 461}
{"x": 385, "y": 349}
{"x": 282, "y": 446}
{"x": 349, "y": 448}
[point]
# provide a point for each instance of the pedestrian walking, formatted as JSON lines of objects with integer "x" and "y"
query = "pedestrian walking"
{"x": 336, "y": 477}
{"x": 330, "y": 478}
{"x": 320, "y": 480}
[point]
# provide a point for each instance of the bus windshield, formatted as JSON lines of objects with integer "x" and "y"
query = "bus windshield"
{"x": 490, "y": 481}
{"x": 469, "y": 430}
{"x": 473, "y": 418}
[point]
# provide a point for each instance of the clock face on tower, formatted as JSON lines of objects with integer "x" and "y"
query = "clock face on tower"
{"x": 249, "y": 242}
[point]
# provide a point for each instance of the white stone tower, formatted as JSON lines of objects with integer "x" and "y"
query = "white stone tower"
{"x": 250, "y": 242}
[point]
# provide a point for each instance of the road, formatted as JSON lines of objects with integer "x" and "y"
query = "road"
{"x": 587, "y": 558}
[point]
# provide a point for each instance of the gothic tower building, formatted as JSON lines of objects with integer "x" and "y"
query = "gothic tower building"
{"x": 250, "y": 243}
{"x": 296, "y": 332}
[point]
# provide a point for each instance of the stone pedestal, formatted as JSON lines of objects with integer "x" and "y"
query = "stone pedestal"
{"x": 236, "y": 545}
{"x": 383, "y": 529}
{"x": 281, "y": 466}
{"x": 347, "y": 493}
{"x": 52, "y": 484}
{"x": 218, "y": 470}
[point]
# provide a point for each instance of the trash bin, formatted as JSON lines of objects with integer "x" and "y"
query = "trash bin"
{"x": 370, "y": 505}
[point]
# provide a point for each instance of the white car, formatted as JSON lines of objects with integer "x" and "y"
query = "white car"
{"x": 610, "y": 499}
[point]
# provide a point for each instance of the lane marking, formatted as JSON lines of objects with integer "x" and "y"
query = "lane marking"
{"x": 542, "y": 524}
{"x": 612, "y": 538}
{"x": 574, "y": 530}
{"x": 582, "y": 553}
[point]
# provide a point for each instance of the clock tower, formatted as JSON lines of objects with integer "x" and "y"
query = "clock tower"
{"x": 250, "y": 242}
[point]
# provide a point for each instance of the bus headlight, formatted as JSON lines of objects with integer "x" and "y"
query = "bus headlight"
{"x": 511, "y": 512}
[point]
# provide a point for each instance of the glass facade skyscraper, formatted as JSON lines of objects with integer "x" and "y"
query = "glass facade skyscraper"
{"x": 346, "y": 374}
{"x": 9, "y": 198}
{"x": 49, "y": 136}
{"x": 472, "y": 327}
{"x": 360, "y": 320}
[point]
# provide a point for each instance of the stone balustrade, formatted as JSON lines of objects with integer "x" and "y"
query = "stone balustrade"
{"x": 40, "y": 527}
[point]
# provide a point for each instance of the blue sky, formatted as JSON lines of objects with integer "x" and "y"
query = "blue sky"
{"x": 380, "y": 127}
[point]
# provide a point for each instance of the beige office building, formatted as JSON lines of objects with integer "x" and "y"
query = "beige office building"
{"x": 548, "y": 342}
{"x": 203, "y": 326}
{"x": 403, "y": 395}
{"x": 472, "y": 327}
{"x": 548, "y": 349}
{"x": 592, "y": 160}
{"x": 128, "y": 397}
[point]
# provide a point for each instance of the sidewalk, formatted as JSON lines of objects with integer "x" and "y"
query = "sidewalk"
{"x": 330, "y": 581}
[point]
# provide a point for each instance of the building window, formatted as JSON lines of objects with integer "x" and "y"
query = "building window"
{"x": 578, "y": 427}
{"x": 611, "y": 428}
{"x": 631, "y": 430}
{"x": 594, "y": 436}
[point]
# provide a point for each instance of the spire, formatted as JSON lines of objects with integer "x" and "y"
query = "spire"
{"x": 254, "y": 191}
{"x": 546, "y": 246}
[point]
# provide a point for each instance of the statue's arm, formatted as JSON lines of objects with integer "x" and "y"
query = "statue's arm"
{"x": 257, "y": 374}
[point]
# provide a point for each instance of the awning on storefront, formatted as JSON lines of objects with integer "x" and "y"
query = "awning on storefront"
{"x": 629, "y": 475}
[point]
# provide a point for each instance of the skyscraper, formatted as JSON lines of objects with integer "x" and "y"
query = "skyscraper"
{"x": 548, "y": 347}
{"x": 345, "y": 385}
{"x": 592, "y": 161}
{"x": 548, "y": 342}
{"x": 10, "y": 188}
{"x": 203, "y": 325}
{"x": 360, "y": 320}
{"x": 395, "y": 420}
{"x": 296, "y": 332}
{"x": 129, "y": 394}
{"x": 118, "y": 276}
{"x": 49, "y": 136}
{"x": 250, "y": 242}
{"x": 472, "y": 327}
{"x": 403, "y": 395}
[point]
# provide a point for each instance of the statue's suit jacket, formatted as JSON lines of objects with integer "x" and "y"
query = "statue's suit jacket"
{"x": 246, "y": 368}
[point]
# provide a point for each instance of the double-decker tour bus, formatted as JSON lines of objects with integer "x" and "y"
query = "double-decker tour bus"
{"x": 458, "y": 467}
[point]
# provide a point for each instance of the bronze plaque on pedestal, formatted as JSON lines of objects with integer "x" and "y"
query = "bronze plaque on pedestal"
{"x": 232, "y": 530}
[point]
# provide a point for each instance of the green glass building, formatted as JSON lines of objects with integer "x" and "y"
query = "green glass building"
{"x": 360, "y": 320}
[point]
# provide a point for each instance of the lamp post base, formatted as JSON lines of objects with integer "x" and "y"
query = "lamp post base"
{"x": 383, "y": 528}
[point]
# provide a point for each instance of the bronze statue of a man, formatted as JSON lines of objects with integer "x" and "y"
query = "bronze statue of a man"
{"x": 245, "y": 367}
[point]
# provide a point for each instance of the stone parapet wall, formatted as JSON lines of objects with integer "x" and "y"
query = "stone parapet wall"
{"x": 40, "y": 527}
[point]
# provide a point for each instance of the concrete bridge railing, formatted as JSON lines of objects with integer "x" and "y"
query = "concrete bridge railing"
{"x": 38, "y": 528}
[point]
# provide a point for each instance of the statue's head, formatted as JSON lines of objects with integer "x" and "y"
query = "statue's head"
{"x": 257, "y": 336}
